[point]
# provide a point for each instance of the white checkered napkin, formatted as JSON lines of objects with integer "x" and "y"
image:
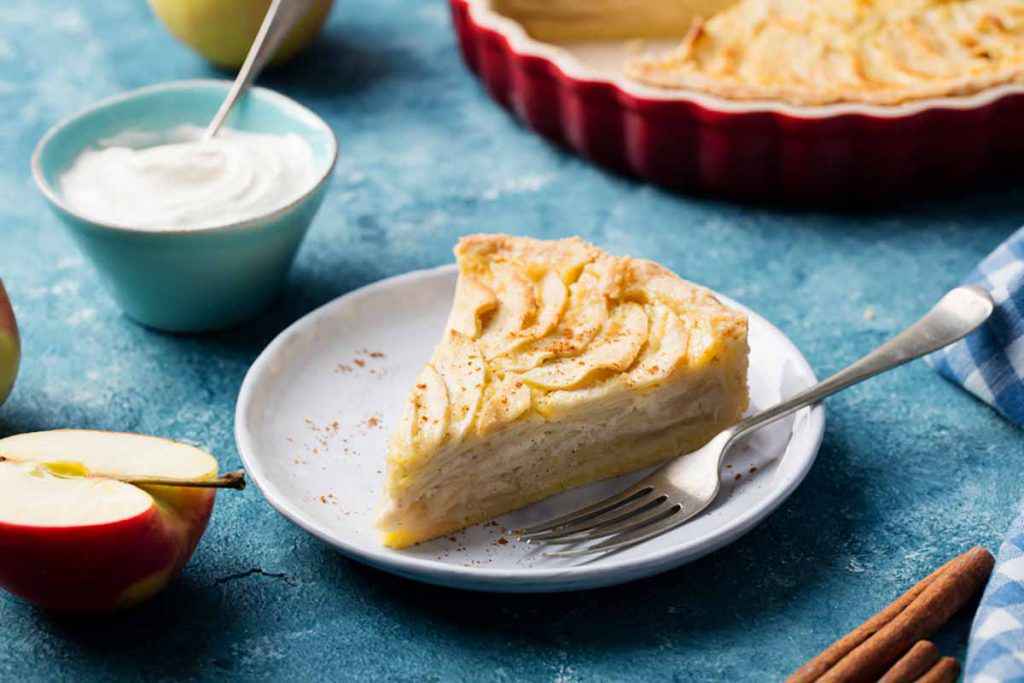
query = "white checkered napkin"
{"x": 996, "y": 651}
{"x": 990, "y": 361}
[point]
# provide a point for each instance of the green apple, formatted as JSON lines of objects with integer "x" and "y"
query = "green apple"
{"x": 10, "y": 345}
{"x": 222, "y": 30}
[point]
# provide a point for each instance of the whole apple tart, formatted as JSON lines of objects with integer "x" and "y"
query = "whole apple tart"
{"x": 810, "y": 53}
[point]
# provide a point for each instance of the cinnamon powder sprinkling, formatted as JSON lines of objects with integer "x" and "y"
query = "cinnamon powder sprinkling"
{"x": 361, "y": 362}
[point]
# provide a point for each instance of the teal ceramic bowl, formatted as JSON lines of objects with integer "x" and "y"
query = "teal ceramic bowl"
{"x": 189, "y": 280}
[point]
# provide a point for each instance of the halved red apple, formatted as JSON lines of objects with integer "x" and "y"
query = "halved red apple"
{"x": 74, "y": 536}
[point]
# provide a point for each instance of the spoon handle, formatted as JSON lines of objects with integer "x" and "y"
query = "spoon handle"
{"x": 279, "y": 20}
{"x": 956, "y": 315}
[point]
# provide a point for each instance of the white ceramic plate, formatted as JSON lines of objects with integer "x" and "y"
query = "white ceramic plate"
{"x": 315, "y": 409}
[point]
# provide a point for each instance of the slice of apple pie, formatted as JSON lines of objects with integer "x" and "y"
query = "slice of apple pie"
{"x": 560, "y": 365}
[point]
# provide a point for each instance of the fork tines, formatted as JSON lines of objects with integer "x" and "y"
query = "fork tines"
{"x": 624, "y": 519}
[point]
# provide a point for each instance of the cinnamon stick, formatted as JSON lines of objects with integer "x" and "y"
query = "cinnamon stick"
{"x": 813, "y": 669}
{"x": 945, "y": 671}
{"x": 940, "y": 600}
{"x": 913, "y": 665}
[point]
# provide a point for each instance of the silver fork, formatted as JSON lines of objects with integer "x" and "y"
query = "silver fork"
{"x": 685, "y": 486}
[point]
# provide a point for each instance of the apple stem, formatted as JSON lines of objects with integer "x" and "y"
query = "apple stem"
{"x": 230, "y": 480}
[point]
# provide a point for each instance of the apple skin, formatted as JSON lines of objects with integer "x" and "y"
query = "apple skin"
{"x": 104, "y": 567}
{"x": 10, "y": 346}
{"x": 222, "y": 30}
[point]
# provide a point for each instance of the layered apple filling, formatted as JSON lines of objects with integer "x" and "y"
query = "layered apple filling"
{"x": 560, "y": 365}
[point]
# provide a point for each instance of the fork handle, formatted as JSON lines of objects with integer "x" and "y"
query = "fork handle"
{"x": 956, "y": 315}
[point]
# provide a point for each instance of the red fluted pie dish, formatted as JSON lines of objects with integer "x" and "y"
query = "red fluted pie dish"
{"x": 843, "y": 153}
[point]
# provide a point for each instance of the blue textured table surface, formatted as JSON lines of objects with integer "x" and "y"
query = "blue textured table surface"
{"x": 912, "y": 470}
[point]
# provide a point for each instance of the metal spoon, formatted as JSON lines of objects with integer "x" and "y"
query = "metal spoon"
{"x": 279, "y": 20}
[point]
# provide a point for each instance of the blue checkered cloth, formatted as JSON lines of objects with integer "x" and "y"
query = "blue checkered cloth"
{"x": 996, "y": 650}
{"x": 989, "y": 363}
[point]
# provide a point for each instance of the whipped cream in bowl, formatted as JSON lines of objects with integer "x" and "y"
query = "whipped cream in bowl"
{"x": 188, "y": 234}
{"x": 176, "y": 181}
